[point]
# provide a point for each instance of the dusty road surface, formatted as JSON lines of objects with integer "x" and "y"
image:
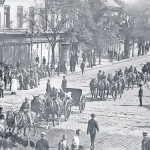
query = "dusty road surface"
{"x": 121, "y": 122}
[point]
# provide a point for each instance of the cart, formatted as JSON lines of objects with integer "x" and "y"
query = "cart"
{"x": 78, "y": 100}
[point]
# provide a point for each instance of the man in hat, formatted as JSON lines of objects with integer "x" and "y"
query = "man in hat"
{"x": 99, "y": 74}
{"x": 145, "y": 142}
{"x": 42, "y": 144}
{"x": 92, "y": 128}
{"x": 64, "y": 83}
{"x": 140, "y": 95}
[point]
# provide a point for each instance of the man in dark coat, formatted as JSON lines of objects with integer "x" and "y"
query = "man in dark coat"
{"x": 44, "y": 60}
{"x": 140, "y": 95}
{"x": 64, "y": 83}
{"x": 37, "y": 59}
{"x": 48, "y": 87}
{"x": 25, "y": 107}
{"x": 82, "y": 66}
{"x": 145, "y": 142}
{"x": 92, "y": 128}
{"x": 42, "y": 144}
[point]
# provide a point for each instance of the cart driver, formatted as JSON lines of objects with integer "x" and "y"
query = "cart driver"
{"x": 62, "y": 94}
{"x": 54, "y": 93}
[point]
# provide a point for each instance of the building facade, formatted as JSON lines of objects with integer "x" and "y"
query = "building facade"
{"x": 18, "y": 42}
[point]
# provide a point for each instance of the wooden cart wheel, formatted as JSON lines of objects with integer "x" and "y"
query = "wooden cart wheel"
{"x": 67, "y": 110}
{"x": 82, "y": 103}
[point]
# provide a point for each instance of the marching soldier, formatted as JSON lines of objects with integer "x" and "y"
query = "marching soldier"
{"x": 140, "y": 95}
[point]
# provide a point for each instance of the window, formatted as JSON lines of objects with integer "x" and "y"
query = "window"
{"x": 7, "y": 16}
{"x": 19, "y": 17}
{"x": 31, "y": 18}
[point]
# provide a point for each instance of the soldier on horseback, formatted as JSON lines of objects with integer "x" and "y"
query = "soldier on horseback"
{"x": 116, "y": 77}
{"x": 54, "y": 93}
{"x": 25, "y": 107}
{"x": 120, "y": 73}
{"x": 62, "y": 94}
{"x": 99, "y": 75}
{"x": 130, "y": 69}
{"x": 103, "y": 76}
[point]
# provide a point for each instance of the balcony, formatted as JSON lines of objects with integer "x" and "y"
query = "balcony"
{"x": 13, "y": 31}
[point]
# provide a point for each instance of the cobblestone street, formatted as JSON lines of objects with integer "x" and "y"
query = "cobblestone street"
{"x": 121, "y": 122}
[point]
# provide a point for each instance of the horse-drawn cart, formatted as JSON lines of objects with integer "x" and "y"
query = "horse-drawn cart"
{"x": 78, "y": 100}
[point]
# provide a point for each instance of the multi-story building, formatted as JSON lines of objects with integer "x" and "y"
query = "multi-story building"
{"x": 18, "y": 40}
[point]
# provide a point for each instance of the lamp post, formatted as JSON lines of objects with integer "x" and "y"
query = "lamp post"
{"x": 31, "y": 35}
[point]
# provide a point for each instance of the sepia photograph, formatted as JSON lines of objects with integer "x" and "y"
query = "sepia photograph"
{"x": 74, "y": 74}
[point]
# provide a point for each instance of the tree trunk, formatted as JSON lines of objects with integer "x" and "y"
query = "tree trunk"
{"x": 133, "y": 48}
{"x": 53, "y": 54}
{"x": 126, "y": 47}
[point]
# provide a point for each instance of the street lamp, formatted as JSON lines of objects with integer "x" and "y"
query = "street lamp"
{"x": 31, "y": 35}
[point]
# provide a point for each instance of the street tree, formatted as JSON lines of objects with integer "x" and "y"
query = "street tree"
{"x": 50, "y": 20}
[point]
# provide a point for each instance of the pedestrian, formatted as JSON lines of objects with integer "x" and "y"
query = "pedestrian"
{"x": 82, "y": 66}
{"x": 92, "y": 128}
{"x": 48, "y": 87}
{"x": 62, "y": 145}
{"x": 5, "y": 80}
{"x": 145, "y": 142}
{"x": 44, "y": 60}
{"x": 76, "y": 141}
{"x": 13, "y": 85}
{"x": 64, "y": 83}
{"x": 48, "y": 70}
{"x": 21, "y": 81}
{"x": 76, "y": 57}
{"x": 2, "y": 84}
{"x": 37, "y": 59}
{"x": 42, "y": 144}
{"x": 140, "y": 95}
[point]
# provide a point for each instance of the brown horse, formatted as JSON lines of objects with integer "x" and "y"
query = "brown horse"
{"x": 20, "y": 121}
{"x": 52, "y": 107}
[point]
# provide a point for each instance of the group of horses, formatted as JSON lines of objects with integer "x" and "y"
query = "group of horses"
{"x": 113, "y": 87}
{"x": 41, "y": 109}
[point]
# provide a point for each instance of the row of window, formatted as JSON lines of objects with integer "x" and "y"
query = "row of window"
{"x": 7, "y": 21}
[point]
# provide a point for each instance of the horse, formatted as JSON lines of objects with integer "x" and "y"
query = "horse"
{"x": 52, "y": 107}
{"x": 10, "y": 120}
{"x": 93, "y": 86}
{"x": 20, "y": 121}
{"x": 101, "y": 89}
{"x": 106, "y": 88}
{"x": 117, "y": 88}
{"x": 131, "y": 79}
{"x": 110, "y": 79}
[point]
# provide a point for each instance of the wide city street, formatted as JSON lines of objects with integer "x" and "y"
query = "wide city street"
{"x": 121, "y": 122}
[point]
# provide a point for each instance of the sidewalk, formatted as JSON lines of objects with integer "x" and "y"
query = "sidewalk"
{"x": 104, "y": 63}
